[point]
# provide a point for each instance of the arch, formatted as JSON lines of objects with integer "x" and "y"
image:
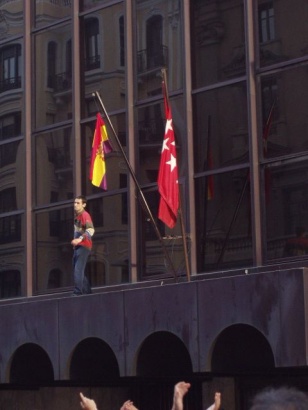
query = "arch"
{"x": 30, "y": 364}
{"x": 92, "y": 43}
{"x": 96, "y": 272}
{"x": 55, "y": 279}
{"x": 93, "y": 360}
{"x": 154, "y": 41}
{"x": 163, "y": 354}
{"x": 240, "y": 348}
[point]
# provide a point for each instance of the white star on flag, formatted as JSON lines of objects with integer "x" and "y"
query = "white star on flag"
{"x": 172, "y": 162}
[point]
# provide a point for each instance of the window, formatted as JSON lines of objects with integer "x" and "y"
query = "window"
{"x": 51, "y": 64}
{"x": 10, "y": 284}
{"x": 10, "y": 229}
{"x": 266, "y": 23}
{"x": 8, "y": 200}
{"x": 10, "y": 126}
{"x": 122, "y": 41}
{"x": 155, "y": 56}
{"x": 69, "y": 64}
{"x": 8, "y": 153}
{"x": 54, "y": 279}
{"x": 10, "y": 70}
{"x": 91, "y": 44}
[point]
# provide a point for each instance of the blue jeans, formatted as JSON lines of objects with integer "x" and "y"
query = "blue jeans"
{"x": 81, "y": 282}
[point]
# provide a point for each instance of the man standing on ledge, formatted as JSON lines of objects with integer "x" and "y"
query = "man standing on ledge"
{"x": 82, "y": 243}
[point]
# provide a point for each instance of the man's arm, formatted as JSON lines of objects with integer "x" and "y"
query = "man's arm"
{"x": 217, "y": 402}
{"x": 180, "y": 389}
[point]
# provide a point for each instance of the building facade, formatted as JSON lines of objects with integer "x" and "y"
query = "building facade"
{"x": 236, "y": 73}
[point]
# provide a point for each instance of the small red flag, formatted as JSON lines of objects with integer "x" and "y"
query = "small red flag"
{"x": 168, "y": 173}
{"x": 100, "y": 147}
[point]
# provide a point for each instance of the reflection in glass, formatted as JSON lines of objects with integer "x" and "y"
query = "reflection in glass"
{"x": 280, "y": 38}
{"x": 218, "y": 41}
{"x": 12, "y": 175}
{"x": 48, "y": 12}
{"x": 11, "y": 18}
{"x": 286, "y": 198}
{"x": 159, "y": 45}
{"x": 54, "y": 157}
{"x": 287, "y": 123}
{"x": 13, "y": 263}
{"x": 109, "y": 260}
{"x": 151, "y": 130}
{"x": 53, "y": 76}
{"x": 154, "y": 262}
{"x": 54, "y": 231}
{"x": 116, "y": 169}
{"x": 90, "y": 4}
{"x": 10, "y": 73}
{"x": 220, "y": 127}
{"x": 12, "y": 150}
{"x": 223, "y": 221}
{"x": 103, "y": 66}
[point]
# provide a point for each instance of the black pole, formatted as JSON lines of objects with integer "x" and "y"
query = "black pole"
{"x": 222, "y": 252}
{"x": 132, "y": 173}
{"x": 205, "y": 168}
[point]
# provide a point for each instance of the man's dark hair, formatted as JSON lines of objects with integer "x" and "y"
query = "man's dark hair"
{"x": 83, "y": 198}
{"x": 282, "y": 398}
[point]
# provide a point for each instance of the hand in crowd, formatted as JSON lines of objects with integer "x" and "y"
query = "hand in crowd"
{"x": 128, "y": 405}
{"x": 87, "y": 404}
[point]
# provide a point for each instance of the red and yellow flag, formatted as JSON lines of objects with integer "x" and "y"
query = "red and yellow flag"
{"x": 100, "y": 147}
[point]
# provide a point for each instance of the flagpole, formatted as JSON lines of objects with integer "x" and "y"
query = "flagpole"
{"x": 132, "y": 173}
{"x": 163, "y": 70}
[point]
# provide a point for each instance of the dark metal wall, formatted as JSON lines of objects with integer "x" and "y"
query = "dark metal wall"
{"x": 195, "y": 314}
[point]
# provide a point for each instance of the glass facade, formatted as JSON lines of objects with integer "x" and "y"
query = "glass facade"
{"x": 236, "y": 77}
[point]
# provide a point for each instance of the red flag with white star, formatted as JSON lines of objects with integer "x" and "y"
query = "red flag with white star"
{"x": 168, "y": 173}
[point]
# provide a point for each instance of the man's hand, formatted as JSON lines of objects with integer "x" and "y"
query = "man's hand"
{"x": 76, "y": 242}
{"x": 87, "y": 404}
{"x": 128, "y": 405}
{"x": 180, "y": 389}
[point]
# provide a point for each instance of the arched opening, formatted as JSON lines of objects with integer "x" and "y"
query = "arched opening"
{"x": 93, "y": 360}
{"x": 55, "y": 279}
{"x": 163, "y": 354}
{"x": 154, "y": 42}
{"x": 30, "y": 364}
{"x": 96, "y": 273}
{"x": 241, "y": 348}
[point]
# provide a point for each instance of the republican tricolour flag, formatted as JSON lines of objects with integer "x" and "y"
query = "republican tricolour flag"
{"x": 100, "y": 147}
{"x": 168, "y": 186}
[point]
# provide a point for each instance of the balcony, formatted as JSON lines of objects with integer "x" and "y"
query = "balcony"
{"x": 92, "y": 63}
{"x": 60, "y": 82}
{"x": 10, "y": 84}
{"x": 148, "y": 59}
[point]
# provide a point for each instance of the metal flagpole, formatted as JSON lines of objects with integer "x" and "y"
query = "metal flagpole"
{"x": 144, "y": 202}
